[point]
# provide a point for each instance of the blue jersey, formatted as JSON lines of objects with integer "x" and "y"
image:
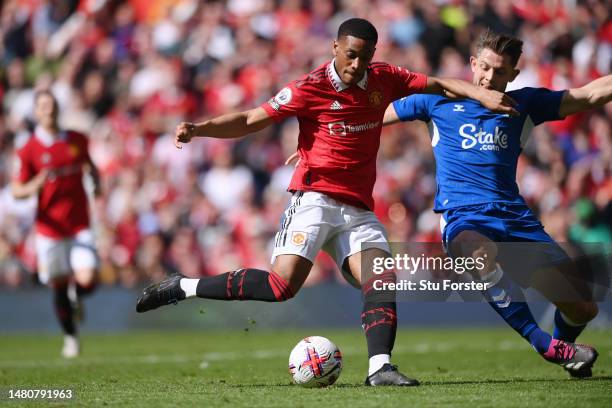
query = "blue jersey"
{"x": 477, "y": 150}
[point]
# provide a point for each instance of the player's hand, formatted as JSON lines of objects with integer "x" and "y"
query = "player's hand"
{"x": 498, "y": 102}
{"x": 38, "y": 181}
{"x": 184, "y": 133}
{"x": 294, "y": 157}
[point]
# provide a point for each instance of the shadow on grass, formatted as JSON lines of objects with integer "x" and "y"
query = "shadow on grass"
{"x": 290, "y": 385}
{"x": 438, "y": 383}
{"x": 517, "y": 381}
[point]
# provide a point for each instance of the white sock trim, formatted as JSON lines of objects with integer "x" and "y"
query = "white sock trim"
{"x": 377, "y": 361}
{"x": 189, "y": 286}
{"x": 493, "y": 277}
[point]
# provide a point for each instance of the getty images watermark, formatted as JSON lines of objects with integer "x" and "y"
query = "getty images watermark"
{"x": 404, "y": 263}
{"x": 425, "y": 271}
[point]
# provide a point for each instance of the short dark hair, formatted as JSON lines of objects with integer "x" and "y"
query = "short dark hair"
{"x": 500, "y": 44}
{"x": 360, "y": 28}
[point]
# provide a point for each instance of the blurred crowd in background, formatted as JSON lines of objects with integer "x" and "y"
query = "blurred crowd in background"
{"x": 127, "y": 72}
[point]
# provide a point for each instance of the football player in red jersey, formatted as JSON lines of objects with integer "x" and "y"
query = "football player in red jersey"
{"x": 50, "y": 165}
{"x": 340, "y": 108}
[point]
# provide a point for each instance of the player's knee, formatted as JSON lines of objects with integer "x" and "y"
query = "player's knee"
{"x": 487, "y": 255}
{"x": 284, "y": 281}
{"x": 291, "y": 272}
{"x": 85, "y": 276}
{"x": 582, "y": 312}
{"x": 478, "y": 247}
{"x": 587, "y": 311}
{"x": 484, "y": 261}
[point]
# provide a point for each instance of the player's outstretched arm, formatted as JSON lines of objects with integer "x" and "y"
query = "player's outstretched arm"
{"x": 229, "y": 126}
{"x": 593, "y": 95}
{"x": 390, "y": 116}
{"x": 456, "y": 88}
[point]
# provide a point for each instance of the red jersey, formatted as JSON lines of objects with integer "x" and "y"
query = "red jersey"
{"x": 62, "y": 202}
{"x": 340, "y": 127}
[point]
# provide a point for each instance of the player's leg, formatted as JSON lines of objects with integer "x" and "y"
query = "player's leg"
{"x": 378, "y": 320}
{"x": 54, "y": 271}
{"x": 506, "y": 298}
{"x": 567, "y": 284}
{"x": 568, "y": 288}
{"x": 354, "y": 249}
{"x": 571, "y": 315}
{"x": 502, "y": 294}
{"x": 64, "y": 311}
{"x": 571, "y": 318}
{"x": 85, "y": 278}
{"x": 303, "y": 231}
{"x": 281, "y": 283}
{"x": 84, "y": 265}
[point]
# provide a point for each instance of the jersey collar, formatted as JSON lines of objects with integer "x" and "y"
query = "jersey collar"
{"x": 46, "y": 138}
{"x": 337, "y": 83}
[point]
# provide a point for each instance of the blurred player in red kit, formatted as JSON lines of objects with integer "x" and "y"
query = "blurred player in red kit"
{"x": 50, "y": 165}
{"x": 339, "y": 107}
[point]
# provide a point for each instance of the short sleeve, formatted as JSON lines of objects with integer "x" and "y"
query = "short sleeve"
{"x": 288, "y": 102}
{"x": 407, "y": 82}
{"x": 414, "y": 107}
{"x": 543, "y": 105}
{"x": 22, "y": 170}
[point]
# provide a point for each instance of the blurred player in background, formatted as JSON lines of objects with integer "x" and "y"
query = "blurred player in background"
{"x": 50, "y": 166}
{"x": 340, "y": 107}
{"x": 476, "y": 154}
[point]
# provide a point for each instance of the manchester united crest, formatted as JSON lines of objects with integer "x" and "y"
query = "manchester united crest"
{"x": 73, "y": 150}
{"x": 375, "y": 99}
{"x": 299, "y": 238}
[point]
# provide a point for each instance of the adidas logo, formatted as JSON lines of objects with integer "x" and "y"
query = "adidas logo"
{"x": 335, "y": 106}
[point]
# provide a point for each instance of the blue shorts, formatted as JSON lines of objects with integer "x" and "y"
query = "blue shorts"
{"x": 516, "y": 226}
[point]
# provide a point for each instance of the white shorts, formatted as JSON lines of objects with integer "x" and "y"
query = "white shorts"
{"x": 59, "y": 257}
{"x": 315, "y": 221}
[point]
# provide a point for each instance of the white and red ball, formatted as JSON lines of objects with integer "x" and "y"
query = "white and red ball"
{"x": 315, "y": 362}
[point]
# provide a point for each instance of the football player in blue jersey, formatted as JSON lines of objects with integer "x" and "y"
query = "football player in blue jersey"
{"x": 476, "y": 154}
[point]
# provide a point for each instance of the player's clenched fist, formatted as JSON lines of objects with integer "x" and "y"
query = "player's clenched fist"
{"x": 183, "y": 134}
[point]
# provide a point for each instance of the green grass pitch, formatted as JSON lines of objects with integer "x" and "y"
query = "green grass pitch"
{"x": 457, "y": 368}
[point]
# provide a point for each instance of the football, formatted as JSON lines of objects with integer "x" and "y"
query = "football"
{"x": 315, "y": 362}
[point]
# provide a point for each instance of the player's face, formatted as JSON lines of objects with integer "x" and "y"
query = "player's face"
{"x": 492, "y": 71}
{"x": 353, "y": 55}
{"x": 45, "y": 110}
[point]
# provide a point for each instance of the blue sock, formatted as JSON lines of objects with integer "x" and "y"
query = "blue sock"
{"x": 566, "y": 331}
{"x": 505, "y": 298}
